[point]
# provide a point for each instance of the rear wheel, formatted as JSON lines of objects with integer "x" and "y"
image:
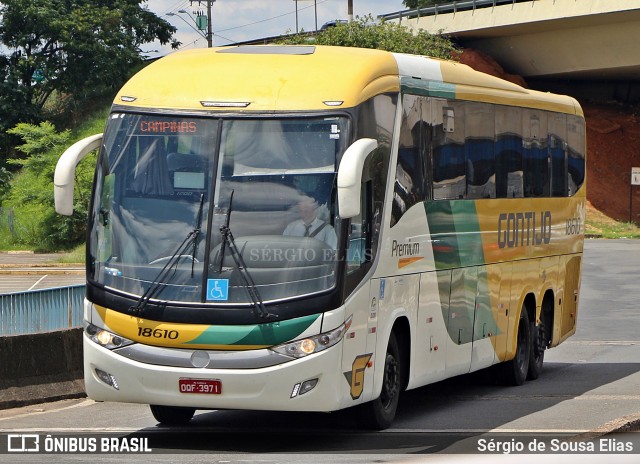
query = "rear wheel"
{"x": 379, "y": 413}
{"x": 172, "y": 415}
{"x": 538, "y": 345}
{"x": 514, "y": 372}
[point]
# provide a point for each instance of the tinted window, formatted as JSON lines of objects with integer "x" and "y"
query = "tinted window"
{"x": 479, "y": 151}
{"x": 558, "y": 154}
{"x": 575, "y": 154}
{"x": 449, "y": 172}
{"x": 536, "y": 157}
{"x": 409, "y": 185}
{"x": 509, "y": 152}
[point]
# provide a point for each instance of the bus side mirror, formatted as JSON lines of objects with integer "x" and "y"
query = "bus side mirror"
{"x": 350, "y": 177}
{"x": 63, "y": 179}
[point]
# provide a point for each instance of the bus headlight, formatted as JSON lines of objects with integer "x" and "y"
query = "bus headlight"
{"x": 315, "y": 344}
{"x": 105, "y": 338}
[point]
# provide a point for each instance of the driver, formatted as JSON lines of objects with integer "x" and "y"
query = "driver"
{"x": 310, "y": 225}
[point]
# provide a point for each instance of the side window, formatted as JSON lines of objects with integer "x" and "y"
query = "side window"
{"x": 449, "y": 173}
{"x": 409, "y": 185}
{"x": 360, "y": 232}
{"x": 558, "y": 154}
{"x": 536, "y": 157}
{"x": 375, "y": 120}
{"x": 479, "y": 151}
{"x": 509, "y": 152}
{"x": 575, "y": 155}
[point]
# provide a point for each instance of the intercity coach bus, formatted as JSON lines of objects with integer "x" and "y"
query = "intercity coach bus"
{"x": 440, "y": 214}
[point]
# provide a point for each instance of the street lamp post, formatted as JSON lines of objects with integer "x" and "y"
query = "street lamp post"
{"x": 209, "y": 35}
{"x": 315, "y": 9}
{"x": 209, "y": 32}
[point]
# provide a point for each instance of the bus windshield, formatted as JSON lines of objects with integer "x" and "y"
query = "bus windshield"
{"x": 168, "y": 187}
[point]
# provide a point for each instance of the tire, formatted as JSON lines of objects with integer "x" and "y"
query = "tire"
{"x": 379, "y": 413}
{"x": 538, "y": 346}
{"x": 514, "y": 372}
{"x": 172, "y": 415}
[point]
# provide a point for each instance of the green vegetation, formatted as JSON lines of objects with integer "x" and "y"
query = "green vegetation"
{"x": 75, "y": 256}
{"x": 423, "y": 3}
{"x": 59, "y": 61}
{"x": 35, "y": 224}
{"x": 366, "y": 32}
{"x": 599, "y": 225}
{"x": 72, "y": 52}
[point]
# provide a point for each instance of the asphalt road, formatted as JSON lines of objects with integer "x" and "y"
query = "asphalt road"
{"x": 20, "y": 272}
{"x": 589, "y": 387}
{"x": 44, "y": 279}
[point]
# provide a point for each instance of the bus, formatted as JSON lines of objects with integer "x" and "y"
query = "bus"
{"x": 446, "y": 209}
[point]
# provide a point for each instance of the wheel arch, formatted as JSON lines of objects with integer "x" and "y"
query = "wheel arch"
{"x": 402, "y": 331}
{"x": 529, "y": 301}
{"x": 548, "y": 313}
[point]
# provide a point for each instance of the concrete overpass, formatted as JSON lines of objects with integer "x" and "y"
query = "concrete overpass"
{"x": 589, "y": 45}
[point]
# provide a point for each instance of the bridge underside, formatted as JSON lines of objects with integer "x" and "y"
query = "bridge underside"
{"x": 552, "y": 41}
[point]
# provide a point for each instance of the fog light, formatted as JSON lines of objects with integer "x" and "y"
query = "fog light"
{"x": 303, "y": 387}
{"x": 107, "y": 378}
{"x": 308, "y": 385}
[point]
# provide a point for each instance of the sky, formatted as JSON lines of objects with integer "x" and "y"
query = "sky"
{"x": 240, "y": 20}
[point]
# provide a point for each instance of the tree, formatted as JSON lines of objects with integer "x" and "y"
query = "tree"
{"x": 32, "y": 189}
{"x": 422, "y": 3}
{"x": 369, "y": 33}
{"x": 80, "y": 48}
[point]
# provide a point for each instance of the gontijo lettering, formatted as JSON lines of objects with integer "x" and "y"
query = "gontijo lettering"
{"x": 523, "y": 229}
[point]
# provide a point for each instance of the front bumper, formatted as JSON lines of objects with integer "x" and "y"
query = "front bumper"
{"x": 266, "y": 388}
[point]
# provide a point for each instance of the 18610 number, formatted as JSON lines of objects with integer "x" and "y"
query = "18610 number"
{"x": 157, "y": 333}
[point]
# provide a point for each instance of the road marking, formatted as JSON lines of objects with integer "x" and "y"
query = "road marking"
{"x": 40, "y": 280}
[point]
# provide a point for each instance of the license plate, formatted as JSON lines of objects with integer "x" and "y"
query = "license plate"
{"x": 203, "y": 386}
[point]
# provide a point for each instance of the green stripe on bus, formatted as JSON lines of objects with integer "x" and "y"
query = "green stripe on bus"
{"x": 269, "y": 334}
{"x": 455, "y": 233}
{"x": 427, "y": 88}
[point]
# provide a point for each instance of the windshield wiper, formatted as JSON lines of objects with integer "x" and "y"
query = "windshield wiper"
{"x": 165, "y": 275}
{"x": 196, "y": 233}
{"x": 241, "y": 267}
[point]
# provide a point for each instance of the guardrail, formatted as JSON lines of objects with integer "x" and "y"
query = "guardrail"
{"x": 451, "y": 7}
{"x": 38, "y": 311}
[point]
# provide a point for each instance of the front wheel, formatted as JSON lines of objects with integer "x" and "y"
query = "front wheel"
{"x": 514, "y": 372}
{"x": 172, "y": 415}
{"x": 379, "y": 413}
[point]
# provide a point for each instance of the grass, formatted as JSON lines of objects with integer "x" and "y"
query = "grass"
{"x": 600, "y": 225}
{"x": 77, "y": 255}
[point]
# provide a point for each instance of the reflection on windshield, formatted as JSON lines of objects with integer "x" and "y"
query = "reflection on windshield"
{"x": 155, "y": 172}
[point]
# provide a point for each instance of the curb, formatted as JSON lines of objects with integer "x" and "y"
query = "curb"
{"x": 39, "y": 265}
{"x": 40, "y": 271}
{"x": 17, "y": 397}
{"x": 629, "y": 423}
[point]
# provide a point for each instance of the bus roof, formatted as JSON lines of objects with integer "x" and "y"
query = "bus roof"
{"x": 268, "y": 78}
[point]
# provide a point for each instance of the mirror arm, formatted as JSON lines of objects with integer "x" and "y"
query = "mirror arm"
{"x": 64, "y": 177}
{"x": 350, "y": 176}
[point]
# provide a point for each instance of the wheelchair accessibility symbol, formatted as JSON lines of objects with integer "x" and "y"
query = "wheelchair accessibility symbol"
{"x": 217, "y": 289}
